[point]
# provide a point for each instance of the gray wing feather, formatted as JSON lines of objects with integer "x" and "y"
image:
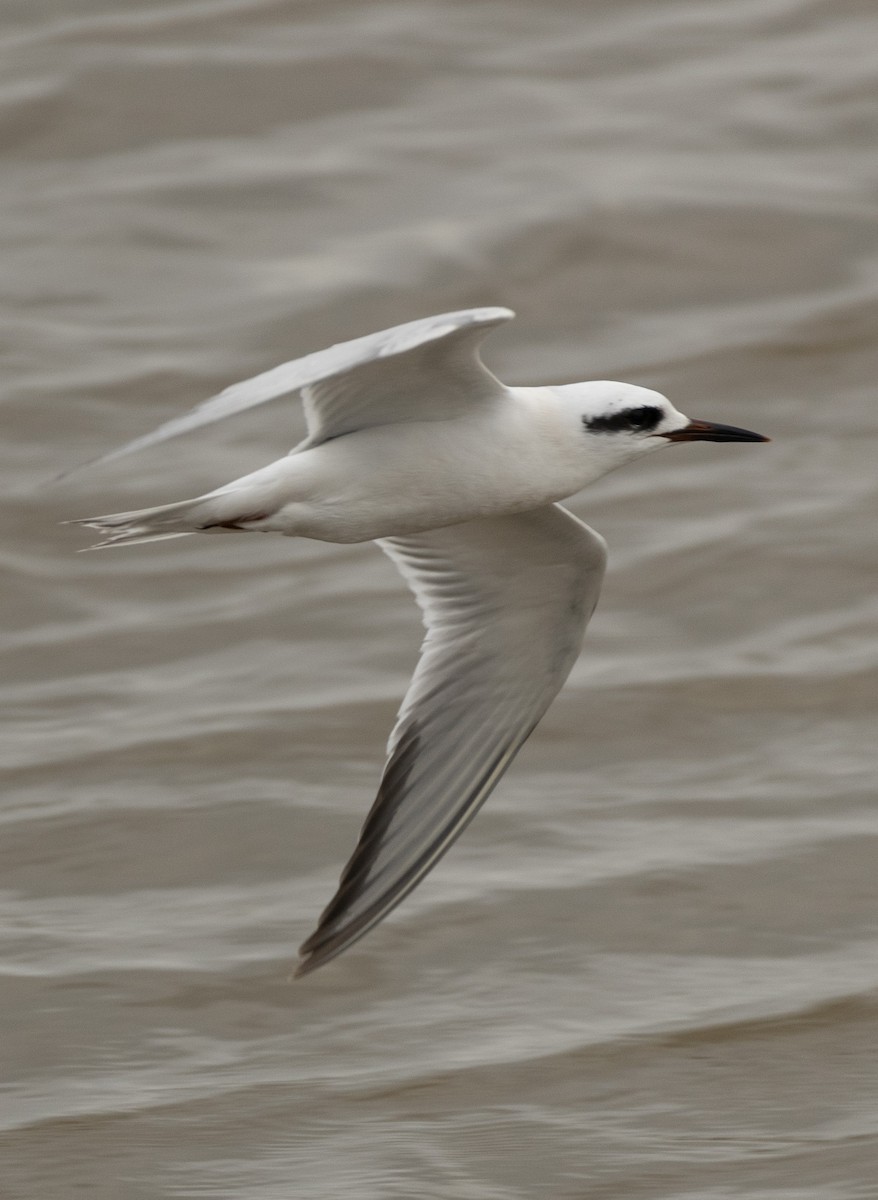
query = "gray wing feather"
{"x": 416, "y": 371}
{"x": 505, "y": 602}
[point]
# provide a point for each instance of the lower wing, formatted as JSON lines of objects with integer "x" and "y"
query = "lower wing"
{"x": 505, "y": 603}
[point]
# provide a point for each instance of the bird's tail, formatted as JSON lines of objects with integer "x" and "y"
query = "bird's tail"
{"x": 151, "y": 524}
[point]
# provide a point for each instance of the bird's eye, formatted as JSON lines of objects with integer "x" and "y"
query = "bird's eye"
{"x": 637, "y": 420}
{"x": 644, "y": 418}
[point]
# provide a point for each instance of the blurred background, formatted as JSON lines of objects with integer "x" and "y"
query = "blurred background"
{"x": 649, "y": 967}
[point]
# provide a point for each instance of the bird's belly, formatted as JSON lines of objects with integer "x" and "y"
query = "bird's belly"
{"x": 373, "y": 519}
{"x": 374, "y": 485}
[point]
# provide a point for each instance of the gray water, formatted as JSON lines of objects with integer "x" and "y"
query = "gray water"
{"x": 649, "y": 969}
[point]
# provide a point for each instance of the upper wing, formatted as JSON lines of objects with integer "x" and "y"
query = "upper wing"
{"x": 505, "y": 602}
{"x": 427, "y": 369}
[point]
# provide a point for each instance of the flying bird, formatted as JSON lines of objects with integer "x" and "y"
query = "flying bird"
{"x": 414, "y": 444}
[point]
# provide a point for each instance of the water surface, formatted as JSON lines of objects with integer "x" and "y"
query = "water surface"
{"x": 649, "y": 968}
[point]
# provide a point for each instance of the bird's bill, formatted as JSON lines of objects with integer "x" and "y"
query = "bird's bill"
{"x": 709, "y": 431}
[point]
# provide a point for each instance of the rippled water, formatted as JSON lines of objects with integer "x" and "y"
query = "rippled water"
{"x": 650, "y": 967}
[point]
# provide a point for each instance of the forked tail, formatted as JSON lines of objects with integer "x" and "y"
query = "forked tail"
{"x": 150, "y": 524}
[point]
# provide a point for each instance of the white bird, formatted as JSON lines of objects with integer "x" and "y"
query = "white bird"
{"x": 414, "y": 444}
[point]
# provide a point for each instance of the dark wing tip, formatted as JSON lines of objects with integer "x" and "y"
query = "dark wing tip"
{"x": 337, "y": 930}
{"x": 307, "y": 965}
{"x": 322, "y": 945}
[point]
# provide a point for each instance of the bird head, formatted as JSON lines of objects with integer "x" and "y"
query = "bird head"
{"x": 623, "y": 421}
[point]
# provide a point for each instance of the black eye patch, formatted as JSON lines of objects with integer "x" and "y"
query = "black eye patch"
{"x": 634, "y": 419}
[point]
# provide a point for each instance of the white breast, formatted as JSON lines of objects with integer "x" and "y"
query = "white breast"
{"x": 394, "y": 480}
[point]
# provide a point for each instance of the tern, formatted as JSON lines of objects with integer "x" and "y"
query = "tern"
{"x": 414, "y": 444}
